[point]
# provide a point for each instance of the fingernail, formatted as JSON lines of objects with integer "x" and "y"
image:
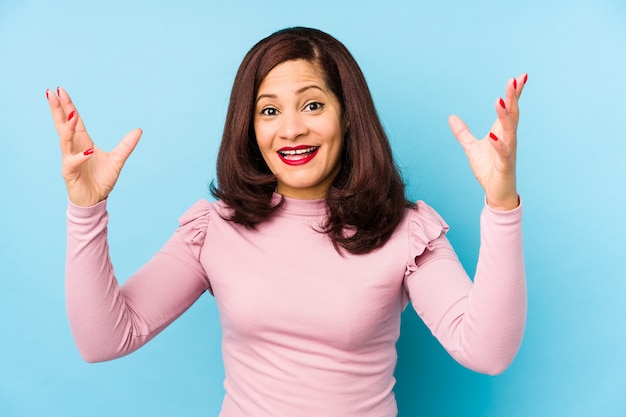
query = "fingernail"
{"x": 525, "y": 78}
{"x": 515, "y": 83}
{"x": 492, "y": 136}
{"x": 58, "y": 91}
{"x": 502, "y": 104}
{"x": 72, "y": 114}
{"x": 88, "y": 152}
{"x": 47, "y": 95}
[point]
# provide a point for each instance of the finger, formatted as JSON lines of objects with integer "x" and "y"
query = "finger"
{"x": 514, "y": 89}
{"x": 67, "y": 130}
{"x": 511, "y": 96}
{"x": 68, "y": 122}
{"x": 56, "y": 110}
{"x": 68, "y": 107}
{"x": 127, "y": 145}
{"x": 461, "y": 131}
{"x": 503, "y": 135}
{"x": 72, "y": 163}
{"x": 502, "y": 148}
{"x": 521, "y": 82}
{"x": 505, "y": 126}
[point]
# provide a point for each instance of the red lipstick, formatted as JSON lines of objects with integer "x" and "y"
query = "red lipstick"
{"x": 297, "y": 155}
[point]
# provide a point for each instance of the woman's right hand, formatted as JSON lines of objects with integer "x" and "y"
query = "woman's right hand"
{"x": 90, "y": 173}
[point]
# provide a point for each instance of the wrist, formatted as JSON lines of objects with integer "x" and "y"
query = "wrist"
{"x": 81, "y": 200}
{"x": 504, "y": 204}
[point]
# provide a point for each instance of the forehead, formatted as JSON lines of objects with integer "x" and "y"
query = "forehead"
{"x": 291, "y": 75}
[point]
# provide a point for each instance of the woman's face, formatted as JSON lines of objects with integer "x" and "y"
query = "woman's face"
{"x": 299, "y": 129}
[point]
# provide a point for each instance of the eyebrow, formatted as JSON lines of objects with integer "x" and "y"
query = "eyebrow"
{"x": 298, "y": 91}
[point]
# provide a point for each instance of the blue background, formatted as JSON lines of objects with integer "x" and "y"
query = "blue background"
{"x": 168, "y": 68}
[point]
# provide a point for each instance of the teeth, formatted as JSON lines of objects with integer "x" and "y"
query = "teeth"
{"x": 298, "y": 151}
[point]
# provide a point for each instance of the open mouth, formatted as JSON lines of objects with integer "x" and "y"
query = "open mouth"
{"x": 298, "y": 155}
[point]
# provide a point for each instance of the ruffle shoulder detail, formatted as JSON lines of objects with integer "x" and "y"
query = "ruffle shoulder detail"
{"x": 193, "y": 225}
{"x": 425, "y": 225}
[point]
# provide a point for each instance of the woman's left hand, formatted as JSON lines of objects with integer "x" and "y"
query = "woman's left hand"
{"x": 492, "y": 159}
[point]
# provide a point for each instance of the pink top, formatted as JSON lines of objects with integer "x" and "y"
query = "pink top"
{"x": 305, "y": 330}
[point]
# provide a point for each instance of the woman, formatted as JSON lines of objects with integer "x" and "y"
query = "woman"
{"x": 312, "y": 251}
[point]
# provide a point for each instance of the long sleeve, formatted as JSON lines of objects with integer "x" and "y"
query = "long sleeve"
{"x": 480, "y": 323}
{"x": 108, "y": 320}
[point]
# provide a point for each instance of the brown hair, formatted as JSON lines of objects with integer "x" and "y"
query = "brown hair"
{"x": 366, "y": 200}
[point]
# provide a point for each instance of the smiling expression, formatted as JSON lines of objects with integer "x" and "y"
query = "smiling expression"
{"x": 299, "y": 129}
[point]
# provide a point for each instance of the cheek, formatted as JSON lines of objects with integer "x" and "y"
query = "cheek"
{"x": 262, "y": 139}
{"x": 336, "y": 138}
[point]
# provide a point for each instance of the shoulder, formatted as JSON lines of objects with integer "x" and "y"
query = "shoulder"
{"x": 424, "y": 224}
{"x": 194, "y": 222}
{"x": 424, "y": 227}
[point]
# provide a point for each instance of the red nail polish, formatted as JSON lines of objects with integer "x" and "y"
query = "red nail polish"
{"x": 502, "y": 104}
{"x": 514, "y": 83}
{"x": 47, "y": 96}
{"x": 59, "y": 91}
{"x": 525, "y": 78}
{"x": 492, "y": 136}
{"x": 88, "y": 152}
{"x": 72, "y": 114}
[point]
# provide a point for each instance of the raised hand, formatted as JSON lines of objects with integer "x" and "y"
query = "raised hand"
{"x": 90, "y": 173}
{"x": 493, "y": 158}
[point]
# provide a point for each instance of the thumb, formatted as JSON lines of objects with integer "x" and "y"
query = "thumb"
{"x": 127, "y": 145}
{"x": 460, "y": 131}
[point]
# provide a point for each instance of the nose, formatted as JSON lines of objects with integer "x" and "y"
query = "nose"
{"x": 292, "y": 125}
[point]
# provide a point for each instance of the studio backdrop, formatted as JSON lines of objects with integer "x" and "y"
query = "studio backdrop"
{"x": 167, "y": 67}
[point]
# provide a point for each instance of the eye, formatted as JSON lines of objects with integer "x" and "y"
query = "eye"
{"x": 314, "y": 106}
{"x": 269, "y": 111}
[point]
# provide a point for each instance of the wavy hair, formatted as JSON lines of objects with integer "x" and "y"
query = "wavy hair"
{"x": 366, "y": 200}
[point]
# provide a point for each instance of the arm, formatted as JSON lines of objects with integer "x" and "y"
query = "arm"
{"x": 109, "y": 321}
{"x": 480, "y": 324}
